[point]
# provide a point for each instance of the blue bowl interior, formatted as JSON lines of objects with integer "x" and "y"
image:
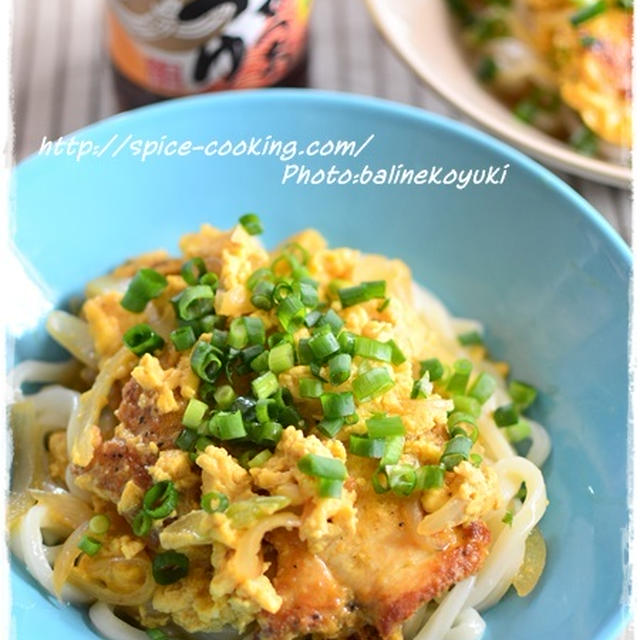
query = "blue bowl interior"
{"x": 528, "y": 258}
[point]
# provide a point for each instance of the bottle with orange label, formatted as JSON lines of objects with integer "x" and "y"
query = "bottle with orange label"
{"x": 168, "y": 48}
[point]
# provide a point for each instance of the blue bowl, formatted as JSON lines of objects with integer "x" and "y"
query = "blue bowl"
{"x": 529, "y": 258}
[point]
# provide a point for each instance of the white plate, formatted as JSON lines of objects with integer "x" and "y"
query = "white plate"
{"x": 423, "y": 34}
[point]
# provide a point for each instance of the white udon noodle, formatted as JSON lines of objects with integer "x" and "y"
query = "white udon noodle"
{"x": 456, "y": 616}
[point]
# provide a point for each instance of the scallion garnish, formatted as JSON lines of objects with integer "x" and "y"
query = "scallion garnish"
{"x": 434, "y": 367}
{"x": 227, "y": 425}
{"x": 329, "y": 488}
{"x": 392, "y": 450}
{"x": 470, "y": 338}
{"x": 265, "y": 385}
{"x": 291, "y": 312}
{"x": 588, "y": 12}
{"x": 430, "y": 476}
{"x": 89, "y": 545}
{"x": 483, "y": 387}
{"x": 205, "y": 361}
{"x": 330, "y": 427}
{"x": 214, "y": 502}
{"x": 183, "y": 338}
{"x": 339, "y": 368}
{"x": 142, "y": 339}
{"x": 522, "y": 393}
{"x": 467, "y": 404}
{"x": 372, "y": 349}
{"x": 508, "y": 518}
{"x": 156, "y": 634}
{"x": 457, "y": 384}
{"x": 518, "y": 432}
{"x": 322, "y": 467}
{"x": 259, "y": 459}
{"x": 169, "y": 567}
{"x": 506, "y": 415}
{"x": 382, "y": 426}
{"x": 194, "y": 302}
{"x": 192, "y": 270}
{"x": 397, "y": 357}
{"x": 194, "y": 413}
{"x": 462, "y": 424}
{"x": 402, "y": 479}
{"x": 99, "y": 524}
{"x": 366, "y": 447}
{"x": 141, "y": 524}
{"x": 323, "y": 345}
{"x": 310, "y": 388}
{"x": 362, "y": 292}
{"x": 187, "y": 439}
{"x": 251, "y": 223}
{"x": 160, "y": 500}
{"x": 337, "y": 405}
{"x": 456, "y": 450}
{"x": 281, "y": 357}
{"x": 145, "y": 285}
{"x": 372, "y": 383}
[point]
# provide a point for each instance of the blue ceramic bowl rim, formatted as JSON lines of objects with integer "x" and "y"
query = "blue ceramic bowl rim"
{"x": 384, "y": 108}
{"x": 619, "y": 618}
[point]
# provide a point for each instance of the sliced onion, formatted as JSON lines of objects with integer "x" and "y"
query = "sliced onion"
{"x": 535, "y": 558}
{"x": 74, "y": 335}
{"x": 67, "y": 557}
{"x": 450, "y": 514}
{"x": 63, "y": 506}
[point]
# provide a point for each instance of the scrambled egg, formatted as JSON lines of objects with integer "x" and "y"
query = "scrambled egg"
{"x": 229, "y": 580}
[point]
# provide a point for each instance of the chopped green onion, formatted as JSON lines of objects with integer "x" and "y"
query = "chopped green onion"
{"x": 281, "y": 357}
{"x": 142, "y": 339}
{"x": 588, "y": 12}
{"x": 219, "y": 338}
{"x": 339, "y": 368}
{"x": 195, "y": 302}
{"x": 506, "y": 415}
{"x": 467, "y": 404}
{"x": 329, "y": 488}
{"x": 305, "y": 355}
{"x": 383, "y": 305}
{"x": 252, "y": 224}
{"x": 470, "y": 338}
{"x": 255, "y": 330}
{"x": 486, "y": 69}
{"x": 210, "y": 279}
{"x": 227, "y": 425}
{"x": 310, "y": 388}
{"x": 187, "y": 439}
{"x": 508, "y": 518}
{"x": 291, "y": 312}
{"x": 402, "y": 479}
{"x": 157, "y": 634}
{"x": 267, "y": 433}
{"x": 99, "y": 524}
{"x": 483, "y": 387}
{"x": 238, "y": 336}
{"x": 458, "y": 418}
{"x": 475, "y": 459}
{"x": 308, "y": 294}
{"x": 347, "y": 341}
{"x": 266, "y": 410}
{"x": 312, "y": 318}
{"x": 430, "y": 476}
{"x": 372, "y": 349}
{"x": 322, "y": 467}
{"x": 588, "y": 41}
{"x": 455, "y": 451}
{"x": 169, "y": 567}
{"x": 362, "y": 292}
{"x": 518, "y": 432}
{"x": 259, "y": 459}
{"x": 202, "y": 443}
{"x": 381, "y": 426}
{"x": 332, "y": 319}
{"x": 457, "y": 384}
{"x": 141, "y": 524}
{"x": 337, "y": 405}
{"x": 265, "y": 385}
{"x": 192, "y": 270}
{"x": 330, "y": 427}
{"x": 380, "y": 480}
{"x": 434, "y": 367}
{"x": 421, "y": 388}
{"x": 205, "y": 361}
{"x": 183, "y": 338}
{"x": 194, "y": 413}
{"x": 522, "y": 394}
{"x": 145, "y": 285}
{"x": 214, "y": 502}
{"x": 224, "y": 396}
{"x": 262, "y": 295}
{"x": 584, "y": 141}
{"x": 89, "y": 545}
{"x": 525, "y": 110}
{"x": 397, "y": 357}
{"x": 258, "y": 276}
{"x": 372, "y": 383}
{"x": 260, "y": 363}
{"x": 366, "y": 447}
{"x": 323, "y": 345}
{"x": 393, "y": 450}
{"x": 159, "y": 501}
